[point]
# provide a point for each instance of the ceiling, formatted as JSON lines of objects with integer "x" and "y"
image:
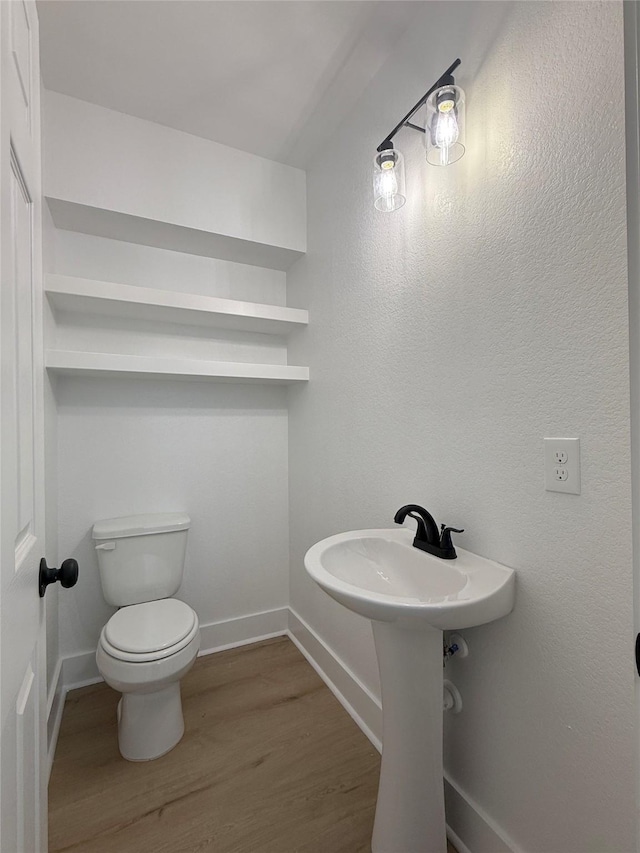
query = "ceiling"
{"x": 273, "y": 77}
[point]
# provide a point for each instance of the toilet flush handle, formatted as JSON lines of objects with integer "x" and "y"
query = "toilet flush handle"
{"x": 106, "y": 546}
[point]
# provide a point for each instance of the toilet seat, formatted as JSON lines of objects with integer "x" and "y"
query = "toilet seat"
{"x": 151, "y": 631}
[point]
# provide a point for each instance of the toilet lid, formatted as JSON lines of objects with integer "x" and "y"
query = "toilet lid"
{"x": 150, "y": 627}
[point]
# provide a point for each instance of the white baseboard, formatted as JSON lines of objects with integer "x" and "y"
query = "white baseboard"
{"x": 55, "y": 706}
{"x": 80, "y": 671}
{"x": 55, "y": 688}
{"x": 457, "y": 842}
{"x": 70, "y": 673}
{"x": 469, "y": 828}
{"x": 231, "y": 633}
{"x": 359, "y": 702}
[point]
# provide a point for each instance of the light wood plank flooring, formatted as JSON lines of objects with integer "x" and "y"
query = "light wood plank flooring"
{"x": 270, "y": 763}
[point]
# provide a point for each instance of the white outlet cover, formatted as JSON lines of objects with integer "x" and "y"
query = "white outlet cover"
{"x": 569, "y": 447}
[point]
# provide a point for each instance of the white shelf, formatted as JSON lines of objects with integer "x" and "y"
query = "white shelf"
{"x": 84, "y": 296}
{"x": 73, "y": 363}
{"x": 102, "y": 222}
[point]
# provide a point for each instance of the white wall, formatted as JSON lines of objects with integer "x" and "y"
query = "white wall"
{"x": 218, "y": 452}
{"x": 145, "y": 266}
{"x": 127, "y": 263}
{"x": 446, "y": 341}
{"x": 106, "y": 159}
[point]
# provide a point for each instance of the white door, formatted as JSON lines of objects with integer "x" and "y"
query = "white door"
{"x": 22, "y": 637}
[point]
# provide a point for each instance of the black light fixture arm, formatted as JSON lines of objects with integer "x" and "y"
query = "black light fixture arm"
{"x": 443, "y": 80}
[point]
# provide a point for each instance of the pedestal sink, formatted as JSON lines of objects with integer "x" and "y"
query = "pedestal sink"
{"x": 411, "y": 597}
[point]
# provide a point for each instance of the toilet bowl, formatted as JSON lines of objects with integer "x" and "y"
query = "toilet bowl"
{"x": 144, "y": 651}
{"x": 152, "y": 641}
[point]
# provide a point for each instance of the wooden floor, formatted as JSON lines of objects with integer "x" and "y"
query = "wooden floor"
{"x": 270, "y": 763}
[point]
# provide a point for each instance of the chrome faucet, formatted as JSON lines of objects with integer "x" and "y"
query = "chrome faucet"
{"x": 428, "y": 538}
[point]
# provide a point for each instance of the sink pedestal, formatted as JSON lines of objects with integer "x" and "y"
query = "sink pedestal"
{"x": 410, "y": 811}
{"x": 411, "y": 597}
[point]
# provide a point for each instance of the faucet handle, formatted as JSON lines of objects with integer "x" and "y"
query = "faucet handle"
{"x": 445, "y": 535}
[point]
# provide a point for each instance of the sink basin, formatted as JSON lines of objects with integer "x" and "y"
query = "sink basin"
{"x": 411, "y": 597}
{"x": 380, "y": 575}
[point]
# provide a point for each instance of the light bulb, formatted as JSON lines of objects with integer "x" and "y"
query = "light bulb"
{"x": 388, "y": 183}
{"x": 446, "y": 132}
{"x": 388, "y": 180}
{"x": 445, "y": 125}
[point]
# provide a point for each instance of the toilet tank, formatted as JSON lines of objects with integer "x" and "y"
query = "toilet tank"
{"x": 141, "y": 557}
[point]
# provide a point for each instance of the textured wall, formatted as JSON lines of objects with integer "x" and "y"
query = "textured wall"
{"x": 446, "y": 341}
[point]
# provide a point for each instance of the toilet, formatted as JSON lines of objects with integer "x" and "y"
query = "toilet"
{"x": 152, "y": 640}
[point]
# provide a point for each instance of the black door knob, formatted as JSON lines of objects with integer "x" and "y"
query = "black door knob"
{"x": 67, "y": 574}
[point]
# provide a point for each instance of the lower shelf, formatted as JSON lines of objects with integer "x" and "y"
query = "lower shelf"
{"x": 72, "y": 363}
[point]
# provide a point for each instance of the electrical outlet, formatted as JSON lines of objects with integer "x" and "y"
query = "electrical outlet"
{"x": 562, "y": 465}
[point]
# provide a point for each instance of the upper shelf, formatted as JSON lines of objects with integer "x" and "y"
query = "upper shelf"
{"x": 84, "y": 296}
{"x": 77, "y": 363}
{"x": 102, "y": 222}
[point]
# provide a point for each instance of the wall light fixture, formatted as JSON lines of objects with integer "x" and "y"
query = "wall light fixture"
{"x": 444, "y": 139}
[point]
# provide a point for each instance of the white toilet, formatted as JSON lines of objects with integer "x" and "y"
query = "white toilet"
{"x": 152, "y": 640}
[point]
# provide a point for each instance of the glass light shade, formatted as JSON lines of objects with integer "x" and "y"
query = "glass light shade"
{"x": 388, "y": 180}
{"x": 444, "y": 129}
